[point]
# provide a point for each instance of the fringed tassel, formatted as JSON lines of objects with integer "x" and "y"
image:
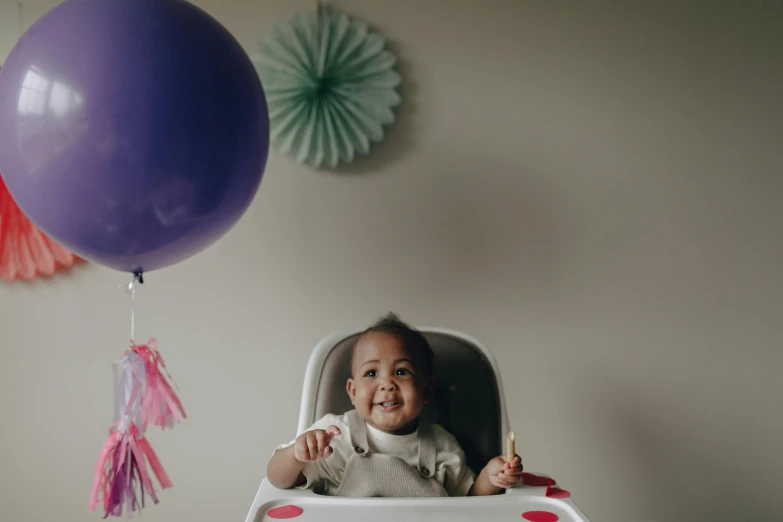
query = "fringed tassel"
{"x": 160, "y": 405}
{"x": 104, "y": 471}
{"x": 142, "y": 396}
{"x": 122, "y": 477}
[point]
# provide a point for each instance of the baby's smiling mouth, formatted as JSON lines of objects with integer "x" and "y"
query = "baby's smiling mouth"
{"x": 388, "y": 404}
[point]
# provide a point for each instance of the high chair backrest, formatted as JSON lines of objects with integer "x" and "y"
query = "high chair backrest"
{"x": 469, "y": 400}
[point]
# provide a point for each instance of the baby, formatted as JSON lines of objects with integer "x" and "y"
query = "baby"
{"x": 382, "y": 448}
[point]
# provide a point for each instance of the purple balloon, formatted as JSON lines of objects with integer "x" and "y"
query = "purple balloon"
{"x": 133, "y": 132}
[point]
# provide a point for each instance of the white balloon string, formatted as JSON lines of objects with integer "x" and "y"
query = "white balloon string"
{"x": 130, "y": 288}
{"x": 133, "y": 309}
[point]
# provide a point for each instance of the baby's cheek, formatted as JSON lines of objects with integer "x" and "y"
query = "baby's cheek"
{"x": 364, "y": 395}
{"x": 412, "y": 395}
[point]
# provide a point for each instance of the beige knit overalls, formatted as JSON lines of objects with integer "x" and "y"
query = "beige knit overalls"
{"x": 369, "y": 474}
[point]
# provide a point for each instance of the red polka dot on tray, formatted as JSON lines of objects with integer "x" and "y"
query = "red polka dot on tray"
{"x": 540, "y": 516}
{"x": 284, "y": 512}
{"x": 556, "y": 492}
{"x": 530, "y": 479}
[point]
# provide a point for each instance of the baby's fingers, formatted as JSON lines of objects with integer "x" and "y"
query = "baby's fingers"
{"x": 514, "y": 472}
{"x": 301, "y": 450}
{"x": 320, "y": 441}
{"x": 332, "y": 431}
{"x": 501, "y": 482}
{"x": 324, "y": 450}
{"x": 512, "y": 476}
{"x": 514, "y": 463}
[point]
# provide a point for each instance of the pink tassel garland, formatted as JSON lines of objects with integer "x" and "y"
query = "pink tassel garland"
{"x": 142, "y": 396}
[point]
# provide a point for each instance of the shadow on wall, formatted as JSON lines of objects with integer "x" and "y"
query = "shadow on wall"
{"x": 687, "y": 476}
{"x": 461, "y": 226}
{"x": 491, "y": 226}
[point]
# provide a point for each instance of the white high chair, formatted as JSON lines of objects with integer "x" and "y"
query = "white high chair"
{"x": 469, "y": 403}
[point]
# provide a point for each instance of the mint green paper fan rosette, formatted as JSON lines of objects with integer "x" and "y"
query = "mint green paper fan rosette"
{"x": 331, "y": 87}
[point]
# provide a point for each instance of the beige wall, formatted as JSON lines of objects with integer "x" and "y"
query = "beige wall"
{"x": 593, "y": 192}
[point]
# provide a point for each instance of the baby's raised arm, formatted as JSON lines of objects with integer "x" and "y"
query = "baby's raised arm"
{"x": 285, "y": 467}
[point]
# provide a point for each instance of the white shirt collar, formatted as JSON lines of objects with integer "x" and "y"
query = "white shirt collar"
{"x": 386, "y": 439}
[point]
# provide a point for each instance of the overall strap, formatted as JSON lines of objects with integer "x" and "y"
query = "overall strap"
{"x": 358, "y": 432}
{"x": 427, "y": 450}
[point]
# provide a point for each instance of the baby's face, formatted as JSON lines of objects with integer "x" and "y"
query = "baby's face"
{"x": 387, "y": 388}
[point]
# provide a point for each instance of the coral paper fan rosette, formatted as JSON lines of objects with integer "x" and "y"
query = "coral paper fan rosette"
{"x": 331, "y": 86}
{"x": 25, "y": 252}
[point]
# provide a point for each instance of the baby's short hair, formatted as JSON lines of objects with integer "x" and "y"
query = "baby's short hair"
{"x": 413, "y": 340}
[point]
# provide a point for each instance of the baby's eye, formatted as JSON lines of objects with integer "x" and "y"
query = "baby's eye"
{"x": 371, "y": 373}
{"x": 403, "y": 371}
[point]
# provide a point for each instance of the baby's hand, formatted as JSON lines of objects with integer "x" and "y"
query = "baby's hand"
{"x": 313, "y": 445}
{"x": 504, "y": 474}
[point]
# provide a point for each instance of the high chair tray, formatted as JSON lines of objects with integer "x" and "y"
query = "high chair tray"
{"x": 517, "y": 505}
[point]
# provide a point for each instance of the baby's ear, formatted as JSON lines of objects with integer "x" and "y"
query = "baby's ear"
{"x": 350, "y": 387}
